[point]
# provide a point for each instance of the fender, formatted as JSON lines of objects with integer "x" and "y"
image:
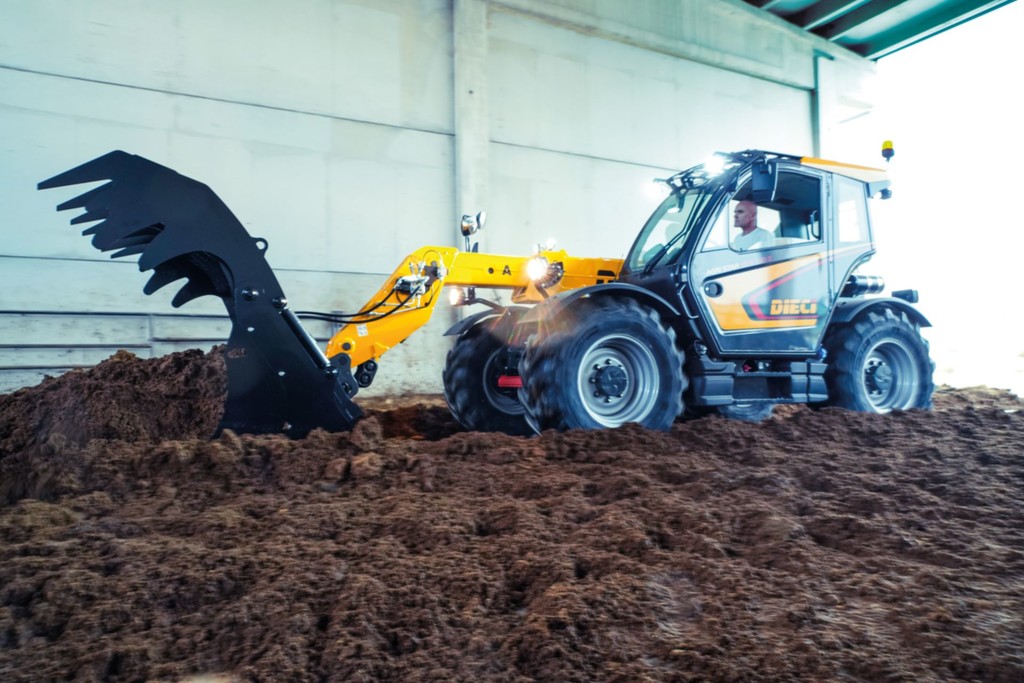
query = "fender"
{"x": 468, "y": 322}
{"x": 554, "y": 305}
{"x": 846, "y": 310}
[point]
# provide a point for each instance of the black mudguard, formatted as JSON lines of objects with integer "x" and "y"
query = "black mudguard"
{"x": 552, "y": 306}
{"x": 469, "y": 321}
{"x": 846, "y": 310}
{"x": 278, "y": 379}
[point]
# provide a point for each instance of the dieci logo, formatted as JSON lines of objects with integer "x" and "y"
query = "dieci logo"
{"x": 794, "y": 307}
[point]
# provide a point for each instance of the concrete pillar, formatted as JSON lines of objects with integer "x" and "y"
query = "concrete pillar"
{"x": 823, "y": 101}
{"x": 472, "y": 126}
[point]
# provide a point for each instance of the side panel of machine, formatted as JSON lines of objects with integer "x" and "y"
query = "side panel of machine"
{"x": 775, "y": 297}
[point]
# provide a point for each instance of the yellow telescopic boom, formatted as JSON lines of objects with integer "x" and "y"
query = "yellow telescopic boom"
{"x": 406, "y": 300}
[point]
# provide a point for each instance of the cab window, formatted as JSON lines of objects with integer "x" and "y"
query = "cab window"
{"x": 851, "y": 211}
{"x": 792, "y": 218}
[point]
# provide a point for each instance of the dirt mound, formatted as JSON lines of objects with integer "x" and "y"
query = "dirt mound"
{"x": 821, "y": 545}
{"x": 178, "y": 396}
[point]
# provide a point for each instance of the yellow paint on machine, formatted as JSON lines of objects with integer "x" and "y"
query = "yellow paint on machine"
{"x": 865, "y": 174}
{"x": 383, "y": 326}
{"x": 733, "y": 316}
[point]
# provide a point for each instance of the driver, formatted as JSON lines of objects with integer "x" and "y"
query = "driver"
{"x": 751, "y": 236}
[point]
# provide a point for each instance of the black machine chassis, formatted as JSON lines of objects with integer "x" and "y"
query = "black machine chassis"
{"x": 714, "y": 381}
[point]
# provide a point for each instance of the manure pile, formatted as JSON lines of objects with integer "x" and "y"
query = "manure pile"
{"x": 822, "y": 545}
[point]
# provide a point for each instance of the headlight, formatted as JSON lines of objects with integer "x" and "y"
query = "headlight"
{"x": 544, "y": 274}
{"x": 462, "y": 296}
{"x": 537, "y": 268}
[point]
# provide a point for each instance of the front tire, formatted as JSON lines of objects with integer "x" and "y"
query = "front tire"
{"x": 879, "y": 363}
{"x": 470, "y": 377}
{"x": 611, "y": 362}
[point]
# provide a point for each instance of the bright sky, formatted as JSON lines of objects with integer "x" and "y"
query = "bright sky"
{"x": 954, "y": 228}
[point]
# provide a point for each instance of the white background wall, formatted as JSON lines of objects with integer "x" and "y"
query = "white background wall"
{"x": 953, "y": 228}
{"x": 329, "y": 128}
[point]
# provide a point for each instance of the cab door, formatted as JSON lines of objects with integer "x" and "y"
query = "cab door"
{"x": 772, "y": 298}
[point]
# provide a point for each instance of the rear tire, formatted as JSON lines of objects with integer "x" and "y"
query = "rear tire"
{"x": 611, "y": 363}
{"x": 879, "y": 363}
{"x": 471, "y": 374}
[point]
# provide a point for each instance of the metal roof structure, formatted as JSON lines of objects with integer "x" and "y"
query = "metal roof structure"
{"x": 876, "y": 28}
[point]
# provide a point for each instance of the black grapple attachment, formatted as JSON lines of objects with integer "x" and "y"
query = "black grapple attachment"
{"x": 278, "y": 379}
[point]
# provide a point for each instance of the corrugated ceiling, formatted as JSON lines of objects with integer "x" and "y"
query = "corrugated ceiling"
{"x": 876, "y": 28}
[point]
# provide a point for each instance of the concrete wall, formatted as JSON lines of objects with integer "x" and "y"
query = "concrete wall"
{"x": 348, "y": 132}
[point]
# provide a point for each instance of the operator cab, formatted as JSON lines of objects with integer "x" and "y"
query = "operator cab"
{"x": 772, "y": 297}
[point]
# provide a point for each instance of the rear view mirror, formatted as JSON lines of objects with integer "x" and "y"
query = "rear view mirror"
{"x": 765, "y": 175}
{"x": 470, "y": 225}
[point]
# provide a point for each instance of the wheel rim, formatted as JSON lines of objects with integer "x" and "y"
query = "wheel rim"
{"x": 891, "y": 377}
{"x": 505, "y": 400}
{"x": 617, "y": 380}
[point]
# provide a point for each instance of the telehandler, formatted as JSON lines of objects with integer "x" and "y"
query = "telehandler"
{"x": 686, "y": 324}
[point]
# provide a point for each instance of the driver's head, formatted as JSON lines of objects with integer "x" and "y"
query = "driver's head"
{"x": 745, "y": 215}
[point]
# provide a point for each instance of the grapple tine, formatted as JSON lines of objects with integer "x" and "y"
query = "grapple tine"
{"x": 191, "y": 290}
{"x": 100, "y": 168}
{"x": 137, "y": 238}
{"x": 129, "y": 251}
{"x": 163, "y": 276}
{"x": 90, "y": 216}
{"x": 83, "y": 199}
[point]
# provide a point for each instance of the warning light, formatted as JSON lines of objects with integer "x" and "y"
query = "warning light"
{"x": 887, "y": 151}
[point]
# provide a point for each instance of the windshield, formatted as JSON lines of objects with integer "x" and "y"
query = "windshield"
{"x": 666, "y": 231}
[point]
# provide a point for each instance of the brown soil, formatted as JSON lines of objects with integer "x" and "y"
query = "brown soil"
{"x": 821, "y": 545}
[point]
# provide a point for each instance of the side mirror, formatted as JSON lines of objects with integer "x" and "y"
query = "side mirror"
{"x": 765, "y": 176}
{"x": 472, "y": 224}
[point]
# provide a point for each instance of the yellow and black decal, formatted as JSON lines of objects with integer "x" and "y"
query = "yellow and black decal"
{"x": 776, "y": 295}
